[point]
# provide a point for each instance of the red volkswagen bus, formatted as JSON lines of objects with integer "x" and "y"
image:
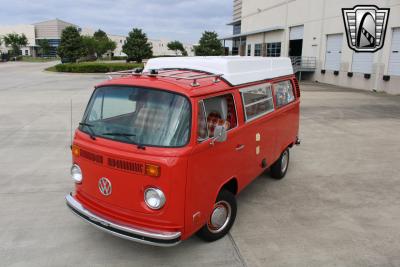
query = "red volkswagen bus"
{"x": 161, "y": 154}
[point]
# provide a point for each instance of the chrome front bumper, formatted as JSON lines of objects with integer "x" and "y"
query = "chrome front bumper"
{"x": 164, "y": 239}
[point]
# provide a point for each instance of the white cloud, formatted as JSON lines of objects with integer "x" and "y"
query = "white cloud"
{"x": 183, "y": 20}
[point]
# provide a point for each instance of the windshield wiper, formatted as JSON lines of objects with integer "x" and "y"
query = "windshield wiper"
{"x": 91, "y": 132}
{"x": 119, "y": 134}
{"x": 127, "y": 135}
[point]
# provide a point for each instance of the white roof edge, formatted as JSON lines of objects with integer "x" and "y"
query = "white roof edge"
{"x": 235, "y": 70}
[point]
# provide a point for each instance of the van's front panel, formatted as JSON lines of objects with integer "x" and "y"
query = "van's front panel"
{"x": 131, "y": 145}
{"x": 125, "y": 172}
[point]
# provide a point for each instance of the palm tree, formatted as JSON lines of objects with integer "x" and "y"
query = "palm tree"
{"x": 16, "y": 41}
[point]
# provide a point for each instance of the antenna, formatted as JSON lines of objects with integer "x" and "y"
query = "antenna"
{"x": 71, "y": 123}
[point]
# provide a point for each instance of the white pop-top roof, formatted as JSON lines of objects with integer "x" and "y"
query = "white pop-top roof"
{"x": 234, "y": 69}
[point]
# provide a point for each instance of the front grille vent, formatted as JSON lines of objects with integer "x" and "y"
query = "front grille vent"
{"x": 126, "y": 165}
{"x": 91, "y": 156}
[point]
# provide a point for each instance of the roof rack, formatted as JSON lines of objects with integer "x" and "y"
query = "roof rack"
{"x": 132, "y": 72}
{"x": 175, "y": 73}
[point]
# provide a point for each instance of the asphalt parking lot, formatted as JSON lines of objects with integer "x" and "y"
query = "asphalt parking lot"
{"x": 339, "y": 204}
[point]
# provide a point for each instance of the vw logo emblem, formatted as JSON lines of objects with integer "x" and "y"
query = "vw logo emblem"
{"x": 105, "y": 186}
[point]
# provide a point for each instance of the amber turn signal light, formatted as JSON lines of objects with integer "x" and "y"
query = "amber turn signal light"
{"x": 75, "y": 151}
{"x": 153, "y": 170}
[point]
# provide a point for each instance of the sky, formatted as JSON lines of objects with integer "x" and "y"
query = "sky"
{"x": 182, "y": 20}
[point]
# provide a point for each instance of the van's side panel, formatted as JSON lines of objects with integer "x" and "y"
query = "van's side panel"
{"x": 287, "y": 121}
{"x": 258, "y": 138}
{"x": 209, "y": 167}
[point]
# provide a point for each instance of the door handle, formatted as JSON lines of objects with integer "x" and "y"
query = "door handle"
{"x": 239, "y": 147}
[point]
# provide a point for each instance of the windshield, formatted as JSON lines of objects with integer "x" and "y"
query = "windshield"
{"x": 145, "y": 117}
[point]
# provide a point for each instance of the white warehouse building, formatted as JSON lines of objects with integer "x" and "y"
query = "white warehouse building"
{"x": 312, "y": 32}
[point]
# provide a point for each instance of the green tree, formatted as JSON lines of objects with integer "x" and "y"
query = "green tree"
{"x": 177, "y": 46}
{"x": 45, "y": 47}
{"x": 103, "y": 43}
{"x": 209, "y": 45}
{"x": 71, "y": 45}
{"x": 99, "y": 34}
{"x": 137, "y": 46}
{"x": 89, "y": 46}
{"x": 16, "y": 41}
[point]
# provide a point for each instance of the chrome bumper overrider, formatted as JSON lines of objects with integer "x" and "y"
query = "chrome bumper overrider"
{"x": 164, "y": 239}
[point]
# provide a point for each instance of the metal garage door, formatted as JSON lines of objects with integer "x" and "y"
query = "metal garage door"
{"x": 394, "y": 60}
{"x": 333, "y": 51}
{"x": 296, "y": 33}
{"x": 362, "y": 62}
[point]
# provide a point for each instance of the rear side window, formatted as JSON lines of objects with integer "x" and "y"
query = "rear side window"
{"x": 219, "y": 110}
{"x": 283, "y": 93}
{"x": 257, "y": 101}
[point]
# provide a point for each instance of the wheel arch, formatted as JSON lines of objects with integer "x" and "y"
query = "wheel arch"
{"x": 230, "y": 185}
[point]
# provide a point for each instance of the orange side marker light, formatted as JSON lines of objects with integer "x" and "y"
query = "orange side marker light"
{"x": 152, "y": 170}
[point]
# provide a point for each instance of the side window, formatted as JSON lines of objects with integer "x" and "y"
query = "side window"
{"x": 283, "y": 93}
{"x": 257, "y": 101}
{"x": 215, "y": 111}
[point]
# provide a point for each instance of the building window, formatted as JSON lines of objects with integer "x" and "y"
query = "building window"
{"x": 26, "y": 52}
{"x": 257, "y": 50}
{"x": 273, "y": 49}
{"x": 249, "y": 50}
{"x": 257, "y": 101}
{"x": 283, "y": 93}
{"x": 236, "y": 29}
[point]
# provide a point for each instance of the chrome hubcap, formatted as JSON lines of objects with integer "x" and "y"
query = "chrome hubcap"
{"x": 220, "y": 217}
{"x": 284, "y": 161}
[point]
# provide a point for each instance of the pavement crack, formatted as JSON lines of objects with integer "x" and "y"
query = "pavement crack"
{"x": 237, "y": 250}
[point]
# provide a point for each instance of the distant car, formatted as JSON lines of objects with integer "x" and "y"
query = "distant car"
{"x": 162, "y": 154}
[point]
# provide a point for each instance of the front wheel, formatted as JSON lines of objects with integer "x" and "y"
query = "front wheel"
{"x": 221, "y": 219}
{"x": 279, "y": 168}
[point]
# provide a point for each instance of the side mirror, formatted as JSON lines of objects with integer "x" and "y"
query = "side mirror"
{"x": 220, "y": 134}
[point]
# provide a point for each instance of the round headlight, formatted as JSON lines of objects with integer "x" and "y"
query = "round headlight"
{"x": 154, "y": 198}
{"x": 76, "y": 174}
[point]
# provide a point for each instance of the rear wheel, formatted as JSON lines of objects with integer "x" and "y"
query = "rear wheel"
{"x": 279, "y": 168}
{"x": 221, "y": 219}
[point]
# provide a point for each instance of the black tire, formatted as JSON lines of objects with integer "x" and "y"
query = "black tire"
{"x": 278, "y": 170}
{"x": 207, "y": 233}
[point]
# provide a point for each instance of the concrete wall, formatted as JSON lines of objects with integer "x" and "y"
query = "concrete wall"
{"x": 320, "y": 18}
